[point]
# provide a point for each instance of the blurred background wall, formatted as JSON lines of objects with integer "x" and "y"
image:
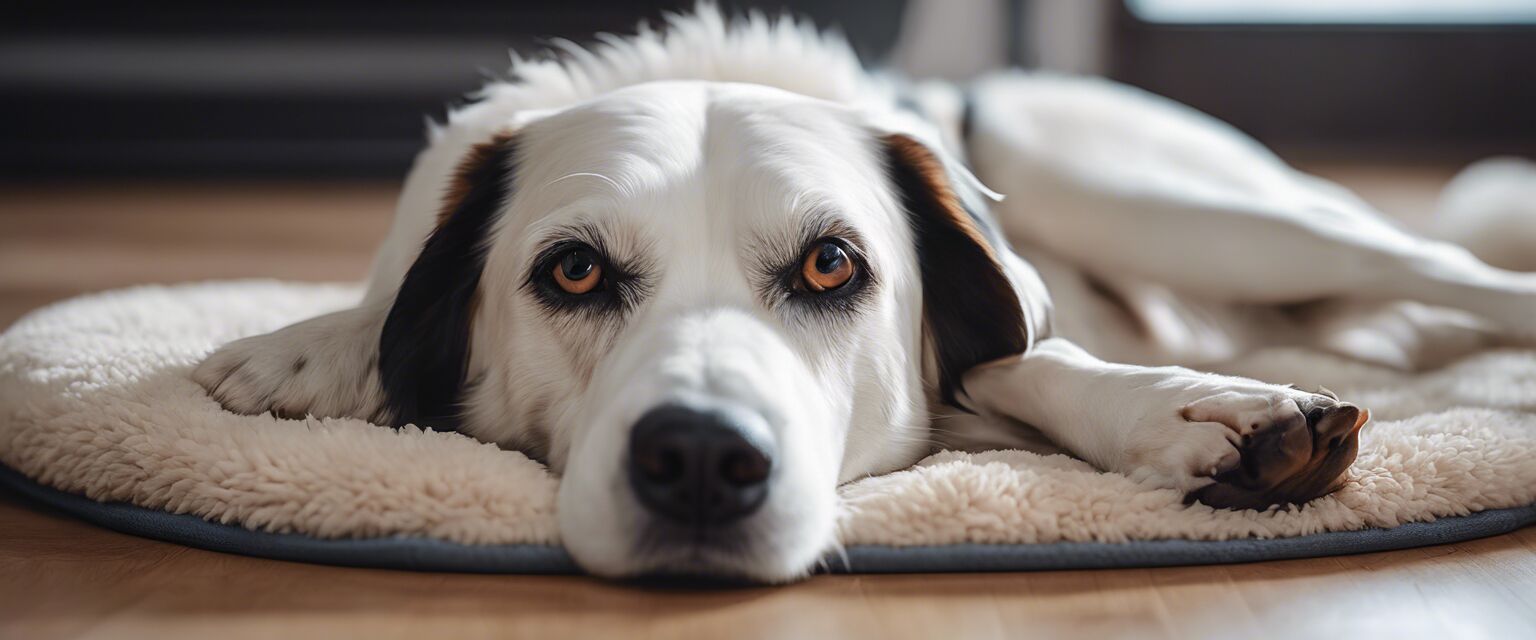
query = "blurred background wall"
{"x": 331, "y": 88}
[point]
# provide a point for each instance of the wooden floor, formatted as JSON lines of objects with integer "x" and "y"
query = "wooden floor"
{"x": 60, "y": 578}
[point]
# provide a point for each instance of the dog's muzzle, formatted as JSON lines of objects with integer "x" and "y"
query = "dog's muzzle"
{"x": 700, "y": 467}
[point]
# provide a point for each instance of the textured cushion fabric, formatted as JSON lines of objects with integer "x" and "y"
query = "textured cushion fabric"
{"x": 95, "y": 400}
{"x": 430, "y": 554}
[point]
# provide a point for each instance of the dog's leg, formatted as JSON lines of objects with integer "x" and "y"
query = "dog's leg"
{"x": 326, "y": 367}
{"x": 1229, "y": 442}
{"x": 1402, "y": 334}
{"x": 1121, "y": 182}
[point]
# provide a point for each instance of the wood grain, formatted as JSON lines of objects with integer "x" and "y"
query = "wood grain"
{"x": 66, "y": 579}
{"x": 60, "y": 578}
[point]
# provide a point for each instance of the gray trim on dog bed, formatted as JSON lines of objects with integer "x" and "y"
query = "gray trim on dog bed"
{"x": 425, "y": 554}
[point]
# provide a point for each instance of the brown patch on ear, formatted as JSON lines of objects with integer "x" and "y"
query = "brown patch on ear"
{"x": 941, "y": 196}
{"x": 970, "y": 307}
{"x": 467, "y": 173}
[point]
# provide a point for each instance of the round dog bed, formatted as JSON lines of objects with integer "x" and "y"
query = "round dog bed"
{"x": 99, "y": 418}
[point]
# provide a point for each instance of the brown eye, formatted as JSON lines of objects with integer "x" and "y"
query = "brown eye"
{"x": 826, "y": 267}
{"x": 578, "y": 272}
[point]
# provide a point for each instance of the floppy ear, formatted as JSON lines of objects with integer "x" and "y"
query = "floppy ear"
{"x": 970, "y": 307}
{"x": 424, "y": 344}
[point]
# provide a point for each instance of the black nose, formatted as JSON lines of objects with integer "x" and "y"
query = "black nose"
{"x": 698, "y": 467}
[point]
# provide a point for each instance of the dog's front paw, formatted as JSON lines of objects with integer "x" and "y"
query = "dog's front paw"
{"x": 1252, "y": 447}
{"x": 1292, "y": 462}
{"x": 322, "y": 367}
{"x": 253, "y": 376}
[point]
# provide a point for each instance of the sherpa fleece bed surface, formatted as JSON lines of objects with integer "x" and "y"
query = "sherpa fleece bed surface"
{"x": 99, "y": 418}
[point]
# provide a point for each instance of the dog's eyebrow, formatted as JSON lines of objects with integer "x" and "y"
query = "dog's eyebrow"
{"x": 823, "y": 223}
{"x": 773, "y": 252}
{"x": 587, "y": 232}
{"x": 626, "y": 248}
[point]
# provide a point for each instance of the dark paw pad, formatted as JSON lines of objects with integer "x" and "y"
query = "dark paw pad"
{"x": 1292, "y": 462}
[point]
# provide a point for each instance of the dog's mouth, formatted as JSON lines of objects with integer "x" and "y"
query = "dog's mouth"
{"x": 696, "y": 553}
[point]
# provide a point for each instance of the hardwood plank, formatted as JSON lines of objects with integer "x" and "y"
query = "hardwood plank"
{"x": 67, "y": 579}
{"x": 60, "y": 241}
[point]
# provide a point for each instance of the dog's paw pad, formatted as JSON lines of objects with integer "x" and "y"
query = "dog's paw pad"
{"x": 1290, "y": 461}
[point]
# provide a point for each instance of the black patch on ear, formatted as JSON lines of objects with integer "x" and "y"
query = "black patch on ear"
{"x": 970, "y": 308}
{"x": 424, "y": 346}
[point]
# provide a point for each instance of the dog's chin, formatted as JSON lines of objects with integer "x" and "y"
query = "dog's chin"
{"x": 774, "y": 546}
{"x": 741, "y": 553}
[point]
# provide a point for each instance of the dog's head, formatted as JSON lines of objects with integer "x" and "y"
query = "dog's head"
{"x": 705, "y": 305}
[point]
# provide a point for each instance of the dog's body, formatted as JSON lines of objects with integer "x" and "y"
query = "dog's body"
{"x": 709, "y": 275}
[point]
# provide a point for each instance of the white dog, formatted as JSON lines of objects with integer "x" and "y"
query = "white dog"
{"x": 709, "y": 274}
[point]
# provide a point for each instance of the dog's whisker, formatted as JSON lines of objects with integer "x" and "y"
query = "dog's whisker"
{"x": 588, "y": 174}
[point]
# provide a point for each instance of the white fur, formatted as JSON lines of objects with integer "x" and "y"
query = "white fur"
{"x": 670, "y": 188}
{"x": 1171, "y": 426}
{"x": 707, "y": 150}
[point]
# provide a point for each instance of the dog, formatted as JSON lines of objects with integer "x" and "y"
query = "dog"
{"x": 709, "y": 273}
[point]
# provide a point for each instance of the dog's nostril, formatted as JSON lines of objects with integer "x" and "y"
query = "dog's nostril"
{"x": 660, "y": 464}
{"x": 698, "y": 467}
{"x": 743, "y": 468}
